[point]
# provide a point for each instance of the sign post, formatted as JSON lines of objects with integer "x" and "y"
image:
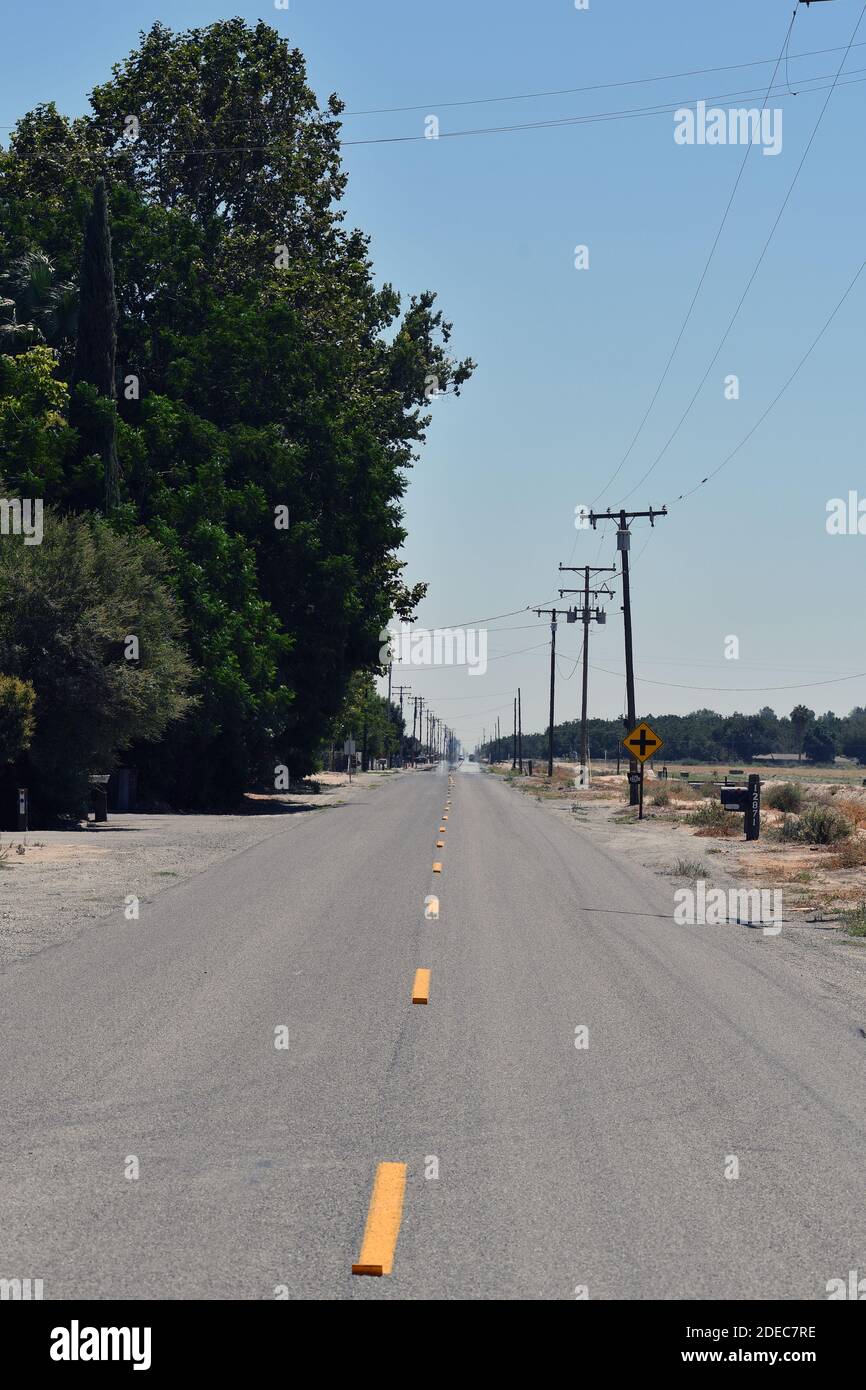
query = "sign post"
{"x": 642, "y": 743}
{"x": 349, "y": 750}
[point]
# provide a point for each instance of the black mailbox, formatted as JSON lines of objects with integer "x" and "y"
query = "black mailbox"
{"x": 748, "y": 800}
{"x": 735, "y": 798}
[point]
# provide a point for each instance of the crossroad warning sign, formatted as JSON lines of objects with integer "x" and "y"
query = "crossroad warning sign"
{"x": 642, "y": 743}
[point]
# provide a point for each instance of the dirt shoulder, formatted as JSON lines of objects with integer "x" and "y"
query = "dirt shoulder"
{"x": 53, "y": 884}
{"x": 815, "y": 890}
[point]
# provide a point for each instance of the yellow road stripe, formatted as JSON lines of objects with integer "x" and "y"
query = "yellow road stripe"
{"x": 440, "y": 844}
{"x": 442, "y": 830}
{"x": 437, "y": 867}
{"x": 383, "y": 1220}
{"x": 421, "y": 987}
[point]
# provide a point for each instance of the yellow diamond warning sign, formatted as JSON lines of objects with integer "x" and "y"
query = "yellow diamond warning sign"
{"x": 642, "y": 743}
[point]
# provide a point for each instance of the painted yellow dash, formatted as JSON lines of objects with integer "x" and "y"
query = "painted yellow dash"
{"x": 383, "y": 1220}
{"x": 440, "y": 844}
{"x": 442, "y": 830}
{"x": 421, "y": 987}
{"x": 445, "y": 817}
{"x": 437, "y": 867}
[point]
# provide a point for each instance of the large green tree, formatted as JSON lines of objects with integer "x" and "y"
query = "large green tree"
{"x": 69, "y": 609}
{"x": 276, "y": 396}
{"x": 96, "y": 347}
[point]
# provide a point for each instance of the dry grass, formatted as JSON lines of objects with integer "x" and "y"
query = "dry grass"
{"x": 851, "y": 854}
{"x": 853, "y": 809}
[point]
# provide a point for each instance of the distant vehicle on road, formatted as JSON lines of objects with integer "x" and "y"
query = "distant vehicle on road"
{"x": 472, "y": 757}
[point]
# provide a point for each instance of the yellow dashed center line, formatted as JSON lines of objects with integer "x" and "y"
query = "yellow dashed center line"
{"x": 383, "y": 1220}
{"x": 421, "y": 987}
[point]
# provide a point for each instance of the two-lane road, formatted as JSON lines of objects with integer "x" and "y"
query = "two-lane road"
{"x": 559, "y": 1166}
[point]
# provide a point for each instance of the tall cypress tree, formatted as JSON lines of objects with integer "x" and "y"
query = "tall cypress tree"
{"x": 96, "y": 343}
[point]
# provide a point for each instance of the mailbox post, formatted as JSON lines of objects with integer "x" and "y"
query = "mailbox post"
{"x": 753, "y": 810}
{"x": 99, "y": 796}
{"x": 748, "y": 800}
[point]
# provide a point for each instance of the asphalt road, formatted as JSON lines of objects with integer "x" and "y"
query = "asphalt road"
{"x": 558, "y": 1166}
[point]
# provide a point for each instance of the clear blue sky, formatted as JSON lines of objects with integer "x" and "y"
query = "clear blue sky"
{"x": 568, "y": 360}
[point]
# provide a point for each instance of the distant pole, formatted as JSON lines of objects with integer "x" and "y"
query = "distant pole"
{"x": 552, "y": 613}
{"x": 584, "y": 756}
{"x": 552, "y": 691}
{"x": 514, "y": 744}
{"x": 364, "y": 744}
{"x": 519, "y": 732}
{"x": 390, "y": 749}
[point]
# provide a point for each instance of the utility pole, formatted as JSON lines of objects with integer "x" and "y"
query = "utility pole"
{"x": 390, "y": 750}
{"x": 420, "y": 702}
{"x": 623, "y": 543}
{"x": 401, "y": 691}
{"x": 551, "y": 612}
{"x": 587, "y": 616}
{"x": 519, "y": 732}
{"x": 514, "y": 743}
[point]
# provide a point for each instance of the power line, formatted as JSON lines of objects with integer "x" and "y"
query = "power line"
{"x": 661, "y": 381}
{"x": 761, "y": 418}
{"x": 751, "y": 279}
{"x": 738, "y": 689}
{"x": 628, "y": 113}
{"x": 595, "y": 87}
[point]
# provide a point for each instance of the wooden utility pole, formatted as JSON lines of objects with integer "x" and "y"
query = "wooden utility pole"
{"x": 514, "y": 744}
{"x": 586, "y": 617}
{"x": 519, "y": 732}
{"x": 401, "y": 691}
{"x": 623, "y": 543}
{"x": 551, "y": 613}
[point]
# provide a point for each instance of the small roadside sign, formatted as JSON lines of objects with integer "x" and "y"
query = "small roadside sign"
{"x": 349, "y": 747}
{"x": 642, "y": 743}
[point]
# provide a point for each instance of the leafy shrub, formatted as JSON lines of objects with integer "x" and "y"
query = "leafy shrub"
{"x": 786, "y": 797}
{"x": 789, "y": 830}
{"x": 17, "y": 699}
{"x": 713, "y": 816}
{"x": 661, "y": 797}
{"x": 823, "y": 825}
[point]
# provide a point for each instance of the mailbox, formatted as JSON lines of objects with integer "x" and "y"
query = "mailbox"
{"x": 748, "y": 801}
{"x": 735, "y": 798}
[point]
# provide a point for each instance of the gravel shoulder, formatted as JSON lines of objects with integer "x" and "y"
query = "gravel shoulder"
{"x": 814, "y": 945}
{"x": 54, "y": 884}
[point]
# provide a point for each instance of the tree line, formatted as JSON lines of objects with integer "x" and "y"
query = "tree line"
{"x": 707, "y": 737}
{"x": 217, "y": 407}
